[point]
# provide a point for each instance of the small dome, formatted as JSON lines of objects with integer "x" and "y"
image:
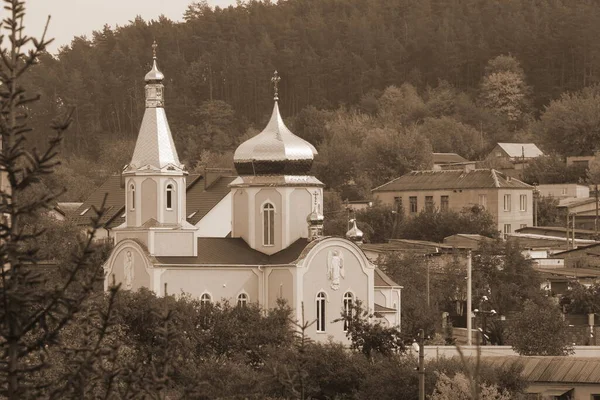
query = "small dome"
{"x": 154, "y": 75}
{"x": 354, "y": 234}
{"x": 274, "y": 151}
{"x": 315, "y": 218}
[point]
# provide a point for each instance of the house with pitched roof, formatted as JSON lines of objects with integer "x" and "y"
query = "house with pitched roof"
{"x": 275, "y": 248}
{"x": 509, "y": 200}
{"x": 515, "y": 154}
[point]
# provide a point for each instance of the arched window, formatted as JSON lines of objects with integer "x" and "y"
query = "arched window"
{"x": 348, "y": 303}
{"x": 169, "y": 197}
{"x": 242, "y": 300}
{"x": 132, "y": 198}
{"x": 268, "y": 224}
{"x": 321, "y": 298}
{"x": 205, "y": 299}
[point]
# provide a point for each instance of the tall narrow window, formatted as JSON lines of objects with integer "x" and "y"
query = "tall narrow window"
{"x": 413, "y": 204}
{"x": 321, "y": 312}
{"x": 483, "y": 200}
{"x": 132, "y": 198}
{"x": 242, "y": 300}
{"x": 523, "y": 202}
{"x": 507, "y": 230}
{"x": 268, "y": 224}
{"x": 444, "y": 203}
{"x": 205, "y": 299}
{"x": 429, "y": 203}
{"x": 169, "y": 197}
{"x": 348, "y": 303}
{"x": 507, "y": 201}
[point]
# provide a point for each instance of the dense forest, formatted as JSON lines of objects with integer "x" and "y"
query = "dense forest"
{"x": 412, "y": 76}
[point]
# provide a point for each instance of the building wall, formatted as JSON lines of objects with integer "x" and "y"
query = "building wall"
{"x": 300, "y": 205}
{"x": 272, "y": 196}
{"x": 128, "y": 266}
{"x": 581, "y": 258}
{"x": 149, "y": 201}
{"x": 564, "y": 190}
{"x": 141, "y": 236}
{"x": 217, "y": 223}
{"x": 280, "y": 285}
{"x": 173, "y": 243}
{"x": 224, "y": 283}
{"x": 240, "y": 214}
{"x": 515, "y": 217}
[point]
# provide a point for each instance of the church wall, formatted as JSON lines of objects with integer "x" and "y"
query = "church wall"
{"x": 149, "y": 200}
{"x": 141, "y": 236}
{"x": 240, "y": 214}
{"x": 280, "y": 285}
{"x": 170, "y": 216}
{"x": 220, "y": 283}
{"x": 121, "y": 268}
{"x": 316, "y": 280}
{"x": 131, "y": 216}
{"x": 380, "y": 298}
{"x": 274, "y": 197}
{"x": 300, "y": 206}
{"x": 217, "y": 223}
{"x": 173, "y": 243}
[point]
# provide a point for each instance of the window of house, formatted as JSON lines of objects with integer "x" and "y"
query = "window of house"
{"x": 507, "y": 202}
{"x": 523, "y": 202}
{"x": 242, "y": 300}
{"x": 507, "y": 230}
{"x": 348, "y": 302}
{"x": 595, "y": 397}
{"x": 413, "y": 204}
{"x": 397, "y": 203}
{"x": 483, "y": 200}
{"x": 564, "y": 191}
{"x": 498, "y": 154}
{"x": 268, "y": 224}
{"x": 169, "y": 197}
{"x": 429, "y": 203}
{"x": 444, "y": 203}
{"x": 205, "y": 299}
{"x": 132, "y": 196}
{"x": 321, "y": 298}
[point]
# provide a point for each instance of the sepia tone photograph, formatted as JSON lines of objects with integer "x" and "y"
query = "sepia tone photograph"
{"x": 300, "y": 199}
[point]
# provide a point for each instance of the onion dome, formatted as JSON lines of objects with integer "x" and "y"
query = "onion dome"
{"x": 274, "y": 151}
{"x": 354, "y": 234}
{"x": 154, "y": 75}
{"x": 315, "y": 218}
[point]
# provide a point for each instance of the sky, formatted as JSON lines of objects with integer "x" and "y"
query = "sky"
{"x": 72, "y": 18}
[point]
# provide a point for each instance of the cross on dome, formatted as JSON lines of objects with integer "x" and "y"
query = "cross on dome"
{"x": 275, "y": 79}
{"x": 154, "y": 46}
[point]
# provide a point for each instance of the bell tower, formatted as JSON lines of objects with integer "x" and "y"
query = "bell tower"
{"x": 155, "y": 179}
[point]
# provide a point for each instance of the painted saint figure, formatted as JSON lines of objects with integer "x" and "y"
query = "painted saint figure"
{"x": 335, "y": 268}
{"x": 128, "y": 270}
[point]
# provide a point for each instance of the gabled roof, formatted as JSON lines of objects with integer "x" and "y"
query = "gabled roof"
{"x": 530, "y": 150}
{"x": 452, "y": 179}
{"x": 235, "y": 251}
{"x": 200, "y": 200}
{"x": 382, "y": 280}
{"x": 448, "y": 158}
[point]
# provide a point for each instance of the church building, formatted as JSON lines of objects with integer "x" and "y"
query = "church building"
{"x": 276, "y": 247}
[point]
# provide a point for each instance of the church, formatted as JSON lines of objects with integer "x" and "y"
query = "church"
{"x": 275, "y": 247}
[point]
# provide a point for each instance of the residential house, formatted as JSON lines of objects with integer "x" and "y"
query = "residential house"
{"x": 558, "y": 231}
{"x": 564, "y": 191}
{"x": 582, "y": 161}
{"x": 515, "y": 154}
{"x": 581, "y": 257}
{"x": 509, "y": 200}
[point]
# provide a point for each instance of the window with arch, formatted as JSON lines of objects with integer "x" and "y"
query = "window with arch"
{"x": 348, "y": 303}
{"x": 132, "y": 196}
{"x": 242, "y": 300}
{"x": 205, "y": 299}
{"x": 268, "y": 224}
{"x": 169, "y": 196}
{"x": 321, "y": 299}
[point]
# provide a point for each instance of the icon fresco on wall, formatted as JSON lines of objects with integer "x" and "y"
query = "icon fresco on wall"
{"x": 128, "y": 270}
{"x": 335, "y": 268}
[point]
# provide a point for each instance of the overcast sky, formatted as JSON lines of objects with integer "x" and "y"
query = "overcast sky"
{"x": 72, "y": 18}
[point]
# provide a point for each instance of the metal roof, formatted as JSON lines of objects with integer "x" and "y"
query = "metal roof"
{"x": 448, "y": 158}
{"x": 451, "y": 180}
{"x": 553, "y": 369}
{"x": 530, "y": 150}
{"x": 275, "y": 143}
{"x": 382, "y": 280}
{"x": 154, "y": 145}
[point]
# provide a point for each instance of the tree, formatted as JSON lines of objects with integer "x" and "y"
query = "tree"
{"x": 570, "y": 125}
{"x": 376, "y": 222}
{"x": 370, "y": 337}
{"x": 552, "y": 169}
{"x": 34, "y": 313}
{"x": 582, "y": 299}
{"x": 503, "y": 88}
{"x": 548, "y": 213}
{"x": 447, "y": 135}
{"x": 459, "y": 388}
{"x": 539, "y": 330}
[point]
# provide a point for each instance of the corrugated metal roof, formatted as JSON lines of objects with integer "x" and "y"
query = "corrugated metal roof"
{"x": 518, "y": 149}
{"x": 448, "y": 158}
{"x": 452, "y": 179}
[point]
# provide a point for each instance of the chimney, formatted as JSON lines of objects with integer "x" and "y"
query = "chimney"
{"x": 211, "y": 175}
{"x": 468, "y": 167}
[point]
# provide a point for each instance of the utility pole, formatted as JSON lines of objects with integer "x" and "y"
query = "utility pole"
{"x": 596, "y": 220}
{"x": 421, "y": 364}
{"x": 469, "y": 300}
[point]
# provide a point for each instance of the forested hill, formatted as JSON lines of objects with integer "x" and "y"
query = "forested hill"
{"x": 329, "y": 53}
